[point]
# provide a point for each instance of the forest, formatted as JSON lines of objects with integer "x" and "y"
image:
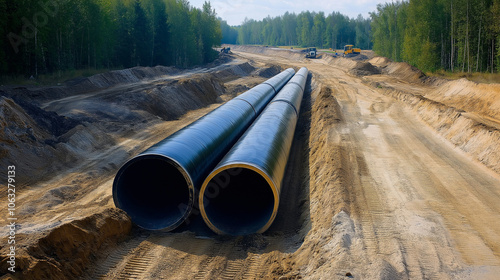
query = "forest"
{"x": 307, "y": 29}
{"x": 49, "y": 36}
{"x": 455, "y": 35}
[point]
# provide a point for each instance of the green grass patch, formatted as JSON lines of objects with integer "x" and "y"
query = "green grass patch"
{"x": 331, "y": 51}
{"x": 291, "y": 47}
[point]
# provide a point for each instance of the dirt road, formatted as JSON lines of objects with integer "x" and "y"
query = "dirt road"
{"x": 373, "y": 190}
{"x": 419, "y": 208}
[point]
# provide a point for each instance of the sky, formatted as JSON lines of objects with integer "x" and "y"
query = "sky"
{"x": 235, "y": 11}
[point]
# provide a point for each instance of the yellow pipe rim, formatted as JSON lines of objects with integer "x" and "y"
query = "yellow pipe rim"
{"x": 249, "y": 166}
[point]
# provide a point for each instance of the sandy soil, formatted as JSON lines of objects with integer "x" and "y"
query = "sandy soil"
{"x": 392, "y": 175}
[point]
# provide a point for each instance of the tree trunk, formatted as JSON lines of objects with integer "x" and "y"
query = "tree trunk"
{"x": 153, "y": 44}
{"x": 452, "y": 40}
{"x": 465, "y": 49}
{"x": 36, "y": 46}
{"x": 88, "y": 48}
{"x": 468, "y": 41}
{"x": 478, "y": 44}
{"x": 492, "y": 54}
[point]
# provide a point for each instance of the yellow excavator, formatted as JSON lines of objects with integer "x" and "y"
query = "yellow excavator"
{"x": 350, "y": 51}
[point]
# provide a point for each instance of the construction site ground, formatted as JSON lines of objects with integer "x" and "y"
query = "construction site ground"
{"x": 392, "y": 175}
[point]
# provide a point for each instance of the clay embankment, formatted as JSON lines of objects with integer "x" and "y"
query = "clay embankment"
{"x": 465, "y": 113}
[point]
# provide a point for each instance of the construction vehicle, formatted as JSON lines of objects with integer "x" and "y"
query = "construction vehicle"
{"x": 311, "y": 53}
{"x": 350, "y": 51}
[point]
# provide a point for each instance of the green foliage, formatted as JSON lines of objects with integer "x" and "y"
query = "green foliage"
{"x": 210, "y": 32}
{"x": 363, "y": 32}
{"x": 229, "y": 34}
{"x": 51, "y": 36}
{"x": 498, "y": 55}
{"x": 388, "y": 29}
{"x": 141, "y": 36}
{"x": 307, "y": 29}
{"x": 3, "y": 36}
{"x": 160, "y": 54}
{"x": 457, "y": 35}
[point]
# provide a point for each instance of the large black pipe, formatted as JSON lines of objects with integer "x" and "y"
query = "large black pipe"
{"x": 157, "y": 188}
{"x": 241, "y": 195}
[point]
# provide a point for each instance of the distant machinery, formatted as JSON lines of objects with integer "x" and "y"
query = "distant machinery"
{"x": 311, "y": 53}
{"x": 350, "y": 51}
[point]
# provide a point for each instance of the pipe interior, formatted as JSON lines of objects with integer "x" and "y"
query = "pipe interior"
{"x": 238, "y": 201}
{"x": 153, "y": 192}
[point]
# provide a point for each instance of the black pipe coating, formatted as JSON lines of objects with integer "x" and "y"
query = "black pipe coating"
{"x": 157, "y": 188}
{"x": 241, "y": 195}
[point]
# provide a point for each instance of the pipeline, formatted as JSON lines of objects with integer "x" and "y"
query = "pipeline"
{"x": 157, "y": 188}
{"x": 241, "y": 195}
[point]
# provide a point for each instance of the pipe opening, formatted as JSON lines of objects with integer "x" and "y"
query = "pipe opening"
{"x": 154, "y": 192}
{"x": 239, "y": 201}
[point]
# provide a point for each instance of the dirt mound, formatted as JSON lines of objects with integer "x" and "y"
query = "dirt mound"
{"x": 36, "y": 93}
{"x": 108, "y": 79}
{"x": 470, "y": 96}
{"x": 404, "y": 71}
{"x": 168, "y": 100}
{"x": 93, "y": 83}
{"x": 328, "y": 228}
{"x": 401, "y": 70}
{"x": 48, "y": 121}
{"x": 380, "y": 61}
{"x": 41, "y": 143}
{"x": 234, "y": 72}
{"x": 269, "y": 72}
{"x": 66, "y": 250}
{"x": 477, "y": 139}
{"x": 17, "y": 124}
{"x": 472, "y": 114}
{"x": 172, "y": 100}
{"x": 343, "y": 62}
{"x": 360, "y": 57}
{"x": 365, "y": 69}
{"x": 24, "y": 143}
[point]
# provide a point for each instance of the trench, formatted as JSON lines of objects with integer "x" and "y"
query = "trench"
{"x": 193, "y": 251}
